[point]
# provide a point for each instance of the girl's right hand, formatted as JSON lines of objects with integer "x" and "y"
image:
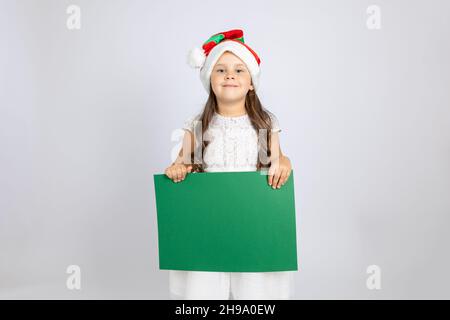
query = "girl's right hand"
{"x": 177, "y": 172}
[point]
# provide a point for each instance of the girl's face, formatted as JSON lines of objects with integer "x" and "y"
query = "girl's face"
{"x": 230, "y": 78}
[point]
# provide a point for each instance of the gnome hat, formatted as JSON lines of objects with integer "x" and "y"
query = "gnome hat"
{"x": 232, "y": 40}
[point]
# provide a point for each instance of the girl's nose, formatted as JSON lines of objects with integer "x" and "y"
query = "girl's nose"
{"x": 229, "y": 76}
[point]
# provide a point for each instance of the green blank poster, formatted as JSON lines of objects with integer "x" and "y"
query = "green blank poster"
{"x": 226, "y": 221}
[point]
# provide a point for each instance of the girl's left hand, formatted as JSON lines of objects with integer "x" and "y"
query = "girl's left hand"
{"x": 279, "y": 172}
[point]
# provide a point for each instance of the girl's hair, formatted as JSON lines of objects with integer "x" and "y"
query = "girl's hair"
{"x": 259, "y": 119}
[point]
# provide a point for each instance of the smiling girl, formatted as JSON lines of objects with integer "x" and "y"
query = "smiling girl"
{"x": 234, "y": 132}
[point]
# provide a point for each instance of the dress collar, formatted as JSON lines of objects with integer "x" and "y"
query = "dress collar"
{"x": 230, "y": 118}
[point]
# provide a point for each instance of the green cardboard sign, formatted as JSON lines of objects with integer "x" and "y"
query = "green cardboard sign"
{"x": 226, "y": 221}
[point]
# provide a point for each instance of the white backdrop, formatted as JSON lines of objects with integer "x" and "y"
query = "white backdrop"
{"x": 86, "y": 118}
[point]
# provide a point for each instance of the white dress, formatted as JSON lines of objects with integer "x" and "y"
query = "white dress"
{"x": 232, "y": 147}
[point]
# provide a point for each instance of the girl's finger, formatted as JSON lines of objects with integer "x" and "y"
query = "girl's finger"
{"x": 276, "y": 178}
{"x": 282, "y": 179}
{"x": 178, "y": 175}
{"x": 171, "y": 174}
{"x": 271, "y": 173}
{"x": 288, "y": 174}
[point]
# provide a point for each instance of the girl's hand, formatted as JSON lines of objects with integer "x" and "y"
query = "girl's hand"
{"x": 279, "y": 172}
{"x": 177, "y": 172}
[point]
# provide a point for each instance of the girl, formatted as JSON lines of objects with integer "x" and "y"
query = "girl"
{"x": 231, "y": 134}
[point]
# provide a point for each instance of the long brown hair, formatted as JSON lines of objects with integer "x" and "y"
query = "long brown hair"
{"x": 259, "y": 119}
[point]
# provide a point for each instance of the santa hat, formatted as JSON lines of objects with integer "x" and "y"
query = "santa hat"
{"x": 233, "y": 40}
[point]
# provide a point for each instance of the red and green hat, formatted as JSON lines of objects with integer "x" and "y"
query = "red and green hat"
{"x": 233, "y": 41}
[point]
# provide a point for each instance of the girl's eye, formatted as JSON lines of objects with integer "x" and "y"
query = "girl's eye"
{"x": 238, "y": 70}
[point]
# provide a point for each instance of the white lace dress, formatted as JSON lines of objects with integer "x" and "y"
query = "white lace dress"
{"x": 232, "y": 147}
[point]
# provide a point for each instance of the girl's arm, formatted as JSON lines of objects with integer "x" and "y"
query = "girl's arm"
{"x": 182, "y": 165}
{"x": 281, "y": 167}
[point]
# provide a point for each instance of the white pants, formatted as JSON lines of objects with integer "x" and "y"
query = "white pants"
{"x": 205, "y": 285}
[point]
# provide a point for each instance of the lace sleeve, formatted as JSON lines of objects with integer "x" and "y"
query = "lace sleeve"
{"x": 190, "y": 122}
{"x": 275, "y": 123}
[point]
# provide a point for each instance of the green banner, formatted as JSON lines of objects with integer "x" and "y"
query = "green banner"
{"x": 226, "y": 221}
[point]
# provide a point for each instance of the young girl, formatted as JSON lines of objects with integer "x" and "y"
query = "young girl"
{"x": 232, "y": 133}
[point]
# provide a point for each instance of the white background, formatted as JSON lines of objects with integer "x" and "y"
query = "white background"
{"x": 86, "y": 118}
